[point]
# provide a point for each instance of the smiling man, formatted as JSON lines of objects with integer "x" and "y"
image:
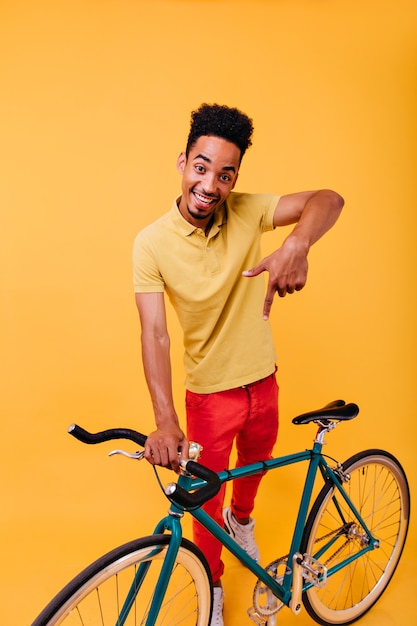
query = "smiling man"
{"x": 205, "y": 254}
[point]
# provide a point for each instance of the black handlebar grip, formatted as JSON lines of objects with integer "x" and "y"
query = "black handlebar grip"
{"x": 106, "y": 435}
{"x": 199, "y": 497}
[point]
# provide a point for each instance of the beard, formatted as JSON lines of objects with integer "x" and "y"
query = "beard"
{"x": 196, "y": 216}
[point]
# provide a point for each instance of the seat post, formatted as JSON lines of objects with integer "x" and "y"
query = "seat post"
{"x": 324, "y": 427}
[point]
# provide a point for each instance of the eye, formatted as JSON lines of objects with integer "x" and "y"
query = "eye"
{"x": 200, "y": 168}
{"x": 225, "y": 178}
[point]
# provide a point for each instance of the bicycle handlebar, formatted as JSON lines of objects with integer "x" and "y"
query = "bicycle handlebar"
{"x": 199, "y": 497}
{"x": 176, "y": 493}
{"x": 106, "y": 435}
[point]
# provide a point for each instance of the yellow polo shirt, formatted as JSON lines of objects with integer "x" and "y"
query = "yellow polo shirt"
{"x": 226, "y": 340}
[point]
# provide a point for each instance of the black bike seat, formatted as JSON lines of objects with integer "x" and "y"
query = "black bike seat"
{"x": 337, "y": 411}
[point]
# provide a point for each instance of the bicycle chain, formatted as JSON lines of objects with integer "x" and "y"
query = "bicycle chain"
{"x": 330, "y": 534}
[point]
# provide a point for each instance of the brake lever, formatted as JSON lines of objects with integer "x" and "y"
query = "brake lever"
{"x": 139, "y": 455}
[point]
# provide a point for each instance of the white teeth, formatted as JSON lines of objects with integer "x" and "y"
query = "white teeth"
{"x": 203, "y": 198}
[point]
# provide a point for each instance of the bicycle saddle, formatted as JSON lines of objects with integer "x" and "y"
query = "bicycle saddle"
{"x": 337, "y": 410}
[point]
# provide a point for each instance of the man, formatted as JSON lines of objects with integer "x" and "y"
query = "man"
{"x": 205, "y": 254}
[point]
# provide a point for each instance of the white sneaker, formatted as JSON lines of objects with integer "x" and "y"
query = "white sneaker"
{"x": 243, "y": 534}
{"x": 218, "y": 601}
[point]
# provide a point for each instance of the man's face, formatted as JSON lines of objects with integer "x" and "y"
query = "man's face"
{"x": 208, "y": 176}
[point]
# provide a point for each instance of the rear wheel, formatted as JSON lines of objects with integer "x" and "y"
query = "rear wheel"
{"x": 379, "y": 490}
{"x": 97, "y": 595}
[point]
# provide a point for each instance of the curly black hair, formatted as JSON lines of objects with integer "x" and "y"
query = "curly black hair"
{"x": 221, "y": 121}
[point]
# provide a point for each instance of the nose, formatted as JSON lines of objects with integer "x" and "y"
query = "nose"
{"x": 209, "y": 184}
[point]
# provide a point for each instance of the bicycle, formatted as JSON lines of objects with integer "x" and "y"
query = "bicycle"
{"x": 343, "y": 552}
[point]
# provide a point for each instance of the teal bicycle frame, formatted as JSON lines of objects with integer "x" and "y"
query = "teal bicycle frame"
{"x": 283, "y": 591}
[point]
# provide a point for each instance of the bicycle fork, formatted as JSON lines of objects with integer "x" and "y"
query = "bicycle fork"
{"x": 172, "y": 524}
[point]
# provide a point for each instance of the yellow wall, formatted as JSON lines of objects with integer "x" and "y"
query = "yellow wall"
{"x": 94, "y": 108}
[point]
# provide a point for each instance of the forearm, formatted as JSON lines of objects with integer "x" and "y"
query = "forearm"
{"x": 318, "y": 215}
{"x": 157, "y": 367}
{"x": 162, "y": 445}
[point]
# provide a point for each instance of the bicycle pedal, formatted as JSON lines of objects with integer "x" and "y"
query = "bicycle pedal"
{"x": 255, "y": 617}
{"x": 314, "y": 572}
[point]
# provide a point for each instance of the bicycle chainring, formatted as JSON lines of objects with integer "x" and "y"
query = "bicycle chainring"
{"x": 265, "y": 602}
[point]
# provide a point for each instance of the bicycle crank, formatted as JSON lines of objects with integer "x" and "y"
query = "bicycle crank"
{"x": 265, "y": 603}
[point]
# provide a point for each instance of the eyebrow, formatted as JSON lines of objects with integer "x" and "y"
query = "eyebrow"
{"x": 226, "y": 168}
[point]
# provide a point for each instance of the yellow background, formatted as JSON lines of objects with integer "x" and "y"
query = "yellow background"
{"x": 94, "y": 109}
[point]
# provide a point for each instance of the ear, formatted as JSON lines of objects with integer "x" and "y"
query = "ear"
{"x": 181, "y": 162}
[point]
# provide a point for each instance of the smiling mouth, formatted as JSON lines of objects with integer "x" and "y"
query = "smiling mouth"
{"x": 203, "y": 199}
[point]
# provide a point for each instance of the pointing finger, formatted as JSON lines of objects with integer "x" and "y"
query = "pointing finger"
{"x": 255, "y": 271}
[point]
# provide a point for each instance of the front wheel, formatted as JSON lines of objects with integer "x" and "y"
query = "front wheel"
{"x": 98, "y": 595}
{"x": 378, "y": 488}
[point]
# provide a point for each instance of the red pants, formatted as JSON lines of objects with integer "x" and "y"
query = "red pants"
{"x": 248, "y": 414}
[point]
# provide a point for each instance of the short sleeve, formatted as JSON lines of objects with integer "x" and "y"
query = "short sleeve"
{"x": 146, "y": 275}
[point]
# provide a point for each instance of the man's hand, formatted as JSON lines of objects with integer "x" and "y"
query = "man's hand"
{"x": 164, "y": 447}
{"x": 287, "y": 268}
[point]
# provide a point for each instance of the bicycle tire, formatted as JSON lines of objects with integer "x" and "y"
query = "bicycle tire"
{"x": 96, "y": 595}
{"x": 379, "y": 489}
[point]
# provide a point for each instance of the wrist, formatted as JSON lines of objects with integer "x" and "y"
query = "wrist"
{"x": 166, "y": 420}
{"x": 298, "y": 243}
